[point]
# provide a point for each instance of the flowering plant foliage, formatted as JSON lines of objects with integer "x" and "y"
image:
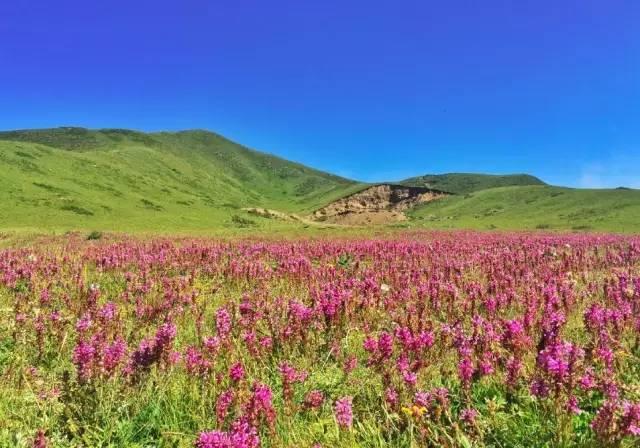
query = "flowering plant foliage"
{"x": 420, "y": 339}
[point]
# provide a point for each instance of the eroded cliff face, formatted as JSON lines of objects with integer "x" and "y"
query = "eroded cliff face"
{"x": 376, "y": 205}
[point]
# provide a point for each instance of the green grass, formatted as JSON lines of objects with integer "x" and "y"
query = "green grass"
{"x": 535, "y": 207}
{"x": 462, "y": 183}
{"x": 72, "y": 178}
{"x": 197, "y": 182}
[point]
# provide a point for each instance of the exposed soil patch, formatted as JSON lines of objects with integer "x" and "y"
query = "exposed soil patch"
{"x": 275, "y": 214}
{"x": 271, "y": 214}
{"x": 379, "y": 204}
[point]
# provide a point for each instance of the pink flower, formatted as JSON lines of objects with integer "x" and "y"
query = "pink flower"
{"x": 572, "y": 405}
{"x": 108, "y": 312}
{"x": 313, "y": 399}
{"x": 350, "y": 364}
{"x": 260, "y": 405}
{"x": 241, "y": 435}
{"x": 40, "y": 441}
{"x": 223, "y": 403}
{"x": 223, "y": 323}
{"x": 213, "y": 439}
{"x": 630, "y": 421}
{"x": 212, "y": 344}
{"x": 468, "y": 416}
{"x": 410, "y": 377}
{"x": 343, "y": 412}
{"x": 385, "y": 345}
{"x": 84, "y": 323}
{"x": 194, "y": 362}
{"x": 113, "y": 354}
{"x": 465, "y": 371}
{"x": 83, "y": 356}
{"x": 391, "y": 396}
{"x": 236, "y": 372}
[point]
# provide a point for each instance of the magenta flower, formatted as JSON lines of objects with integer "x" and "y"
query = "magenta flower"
{"x": 113, "y": 355}
{"x": 465, "y": 371}
{"x": 83, "y": 357}
{"x": 241, "y": 435}
{"x": 343, "y": 412}
{"x": 313, "y": 399}
{"x": 468, "y": 416}
{"x": 213, "y": 439}
{"x": 195, "y": 362}
{"x": 223, "y": 323}
{"x": 630, "y": 421}
{"x": 391, "y": 397}
{"x": 260, "y": 405}
{"x": 40, "y": 441}
{"x": 223, "y": 404}
{"x": 236, "y": 372}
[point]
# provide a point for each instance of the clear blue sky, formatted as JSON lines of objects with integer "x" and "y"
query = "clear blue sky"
{"x": 370, "y": 90}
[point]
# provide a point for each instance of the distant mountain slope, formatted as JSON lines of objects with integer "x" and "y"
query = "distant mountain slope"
{"x": 535, "y": 207}
{"x": 462, "y": 183}
{"x": 128, "y": 180}
{"x": 192, "y": 181}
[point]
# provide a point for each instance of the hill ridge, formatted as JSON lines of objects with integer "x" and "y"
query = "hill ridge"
{"x": 73, "y": 176}
{"x": 70, "y": 178}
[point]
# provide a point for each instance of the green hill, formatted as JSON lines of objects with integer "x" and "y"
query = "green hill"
{"x": 535, "y": 207}
{"x": 462, "y": 183}
{"x": 197, "y": 181}
{"x": 74, "y": 178}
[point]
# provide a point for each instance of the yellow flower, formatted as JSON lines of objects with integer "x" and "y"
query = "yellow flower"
{"x": 419, "y": 410}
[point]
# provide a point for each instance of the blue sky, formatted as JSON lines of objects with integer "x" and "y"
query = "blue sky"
{"x": 370, "y": 90}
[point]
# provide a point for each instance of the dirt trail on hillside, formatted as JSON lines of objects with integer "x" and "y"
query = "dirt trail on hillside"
{"x": 282, "y": 216}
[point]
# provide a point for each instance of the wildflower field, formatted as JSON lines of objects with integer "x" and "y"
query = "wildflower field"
{"x": 419, "y": 339}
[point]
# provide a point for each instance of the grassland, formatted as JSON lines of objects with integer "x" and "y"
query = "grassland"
{"x": 72, "y": 178}
{"x": 535, "y": 207}
{"x": 198, "y": 182}
{"x": 432, "y": 339}
{"x": 463, "y": 183}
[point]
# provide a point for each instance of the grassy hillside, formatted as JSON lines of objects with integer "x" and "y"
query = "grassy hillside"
{"x": 462, "y": 183}
{"x": 72, "y": 178}
{"x": 535, "y": 207}
{"x": 197, "y": 181}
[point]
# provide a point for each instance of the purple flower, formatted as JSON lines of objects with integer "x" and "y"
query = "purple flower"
{"x": 213, "y": 439}
{"x": 236, "y": 372}
{"x": 468, "y": 416}
{"x": 630, "y": 421}
{"x": 391, "y": 396}
{"x": 108, "y": 312}
{"x": 343, "y": 412}
{"x": 223, "y": 323}
{"x": 465, "y": 371}
{"x": 313, "y": 399}
{"x": 260, "y": 405}
{"x": 113, "y": 354}
{"x": 40, "y": 441}
{"x": 195, "y": 363}
{"x": 241, "y": 435}
{"x": 84, "y": 323}
{"x": 385, "y": 345}
{"x": 572, "y": 405}
{"x": 83, "y": 355}
{"x": 410, "y": 377}
{"x": 223, "y": 403}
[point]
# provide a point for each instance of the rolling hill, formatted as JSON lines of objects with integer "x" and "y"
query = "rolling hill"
{"x": 198, "y": 181}
{"x": 462, "y": 183}
{"x": 74, "y": 178}
{"x": 534, "y": 207}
